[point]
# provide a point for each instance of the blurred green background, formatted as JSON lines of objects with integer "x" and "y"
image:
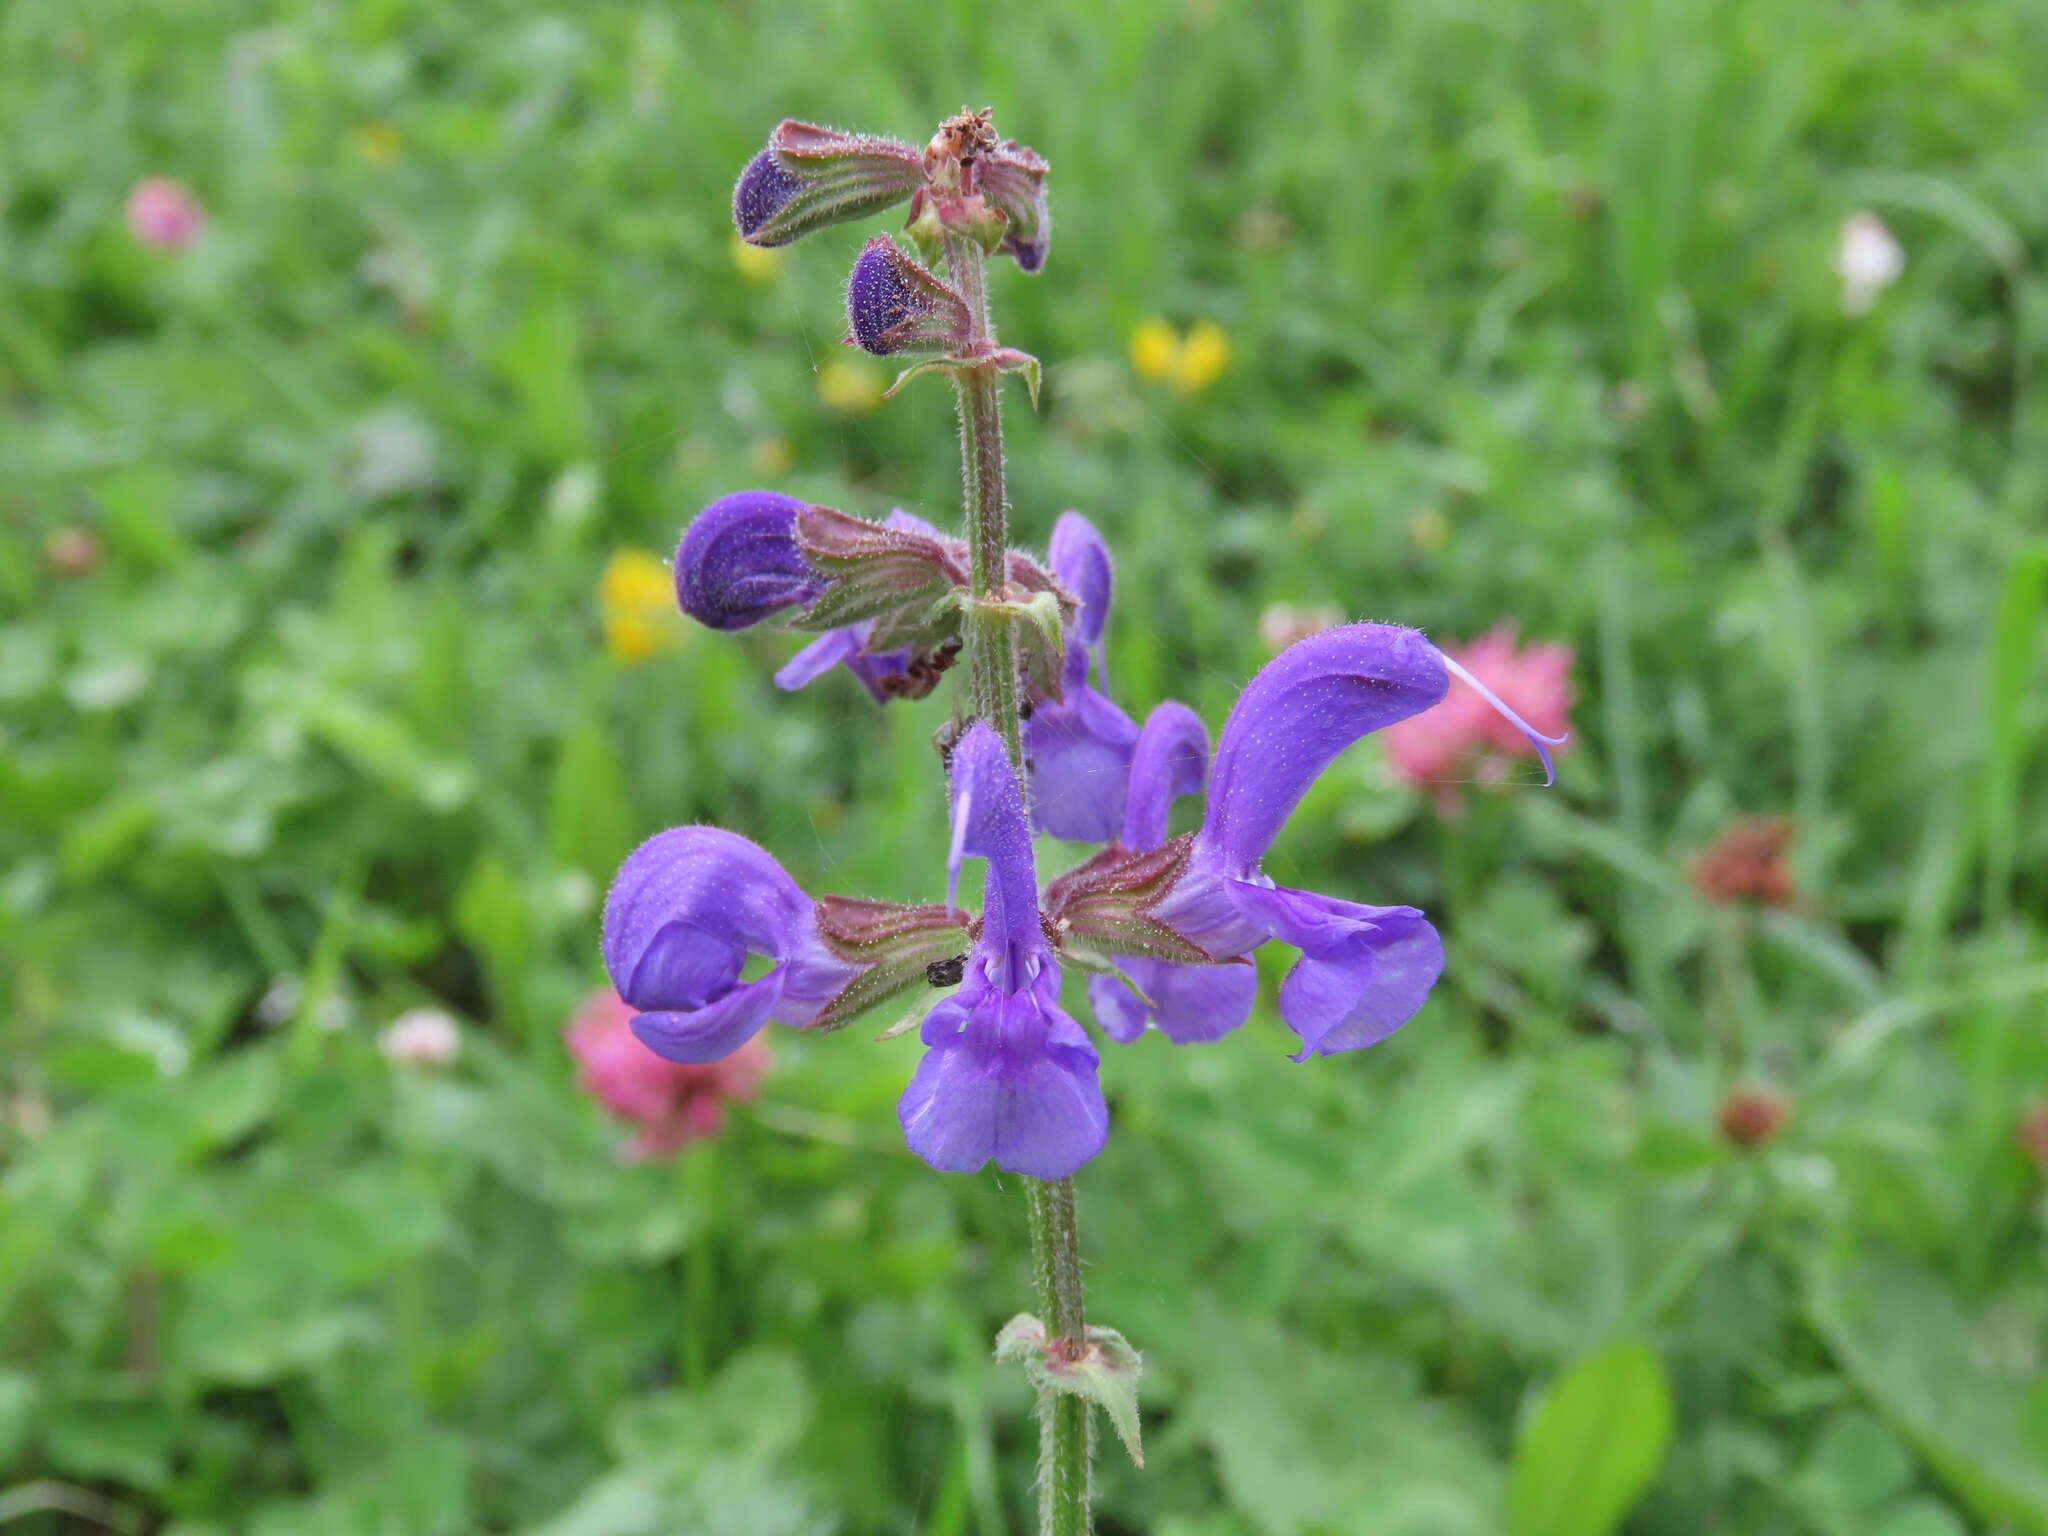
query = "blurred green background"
{"x": 307, "y": 718}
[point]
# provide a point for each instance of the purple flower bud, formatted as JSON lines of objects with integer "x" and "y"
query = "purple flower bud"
{"x": 739, "y": 561}
{"x": 763, "y": 190}
{"x": 809, "y": 177}
{"x": 1012, "y": 177}
{"x": 894, "y": 305}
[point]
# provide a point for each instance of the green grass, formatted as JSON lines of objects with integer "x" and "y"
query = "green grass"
{"x": 1532, "y": 319}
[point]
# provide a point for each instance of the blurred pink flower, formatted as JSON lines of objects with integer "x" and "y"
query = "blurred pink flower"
{"x": 671, "y": 1103}
{"x": 1464, "y": 737}
{"x": 162, "y": 213}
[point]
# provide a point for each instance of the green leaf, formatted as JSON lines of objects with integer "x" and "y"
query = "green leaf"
{"x": 1943, "y": 1379}
{"x": 589, "y": 824}
{"x": 1106, "y": 1373}
{"x": 1592, "y": 1445}
{"x": 17, "y": 1408}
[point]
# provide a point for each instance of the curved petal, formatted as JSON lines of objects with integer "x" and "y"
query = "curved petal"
{"x": 1120, "y": 1011}
{"x": 1303, "y": 708}
{"x": 1171, "y": 755}
{"x": 1009, "y": 1078}
{"x": 1363, "y": 972}
{"x": 988, "y": 823}
{"x": 1080, "y": 753}
{"x": 715, "y": 1031}
{"x": 1194, "y": 1004}
{"x": 1081, "y": 560}
{"x": 820, "y": 657}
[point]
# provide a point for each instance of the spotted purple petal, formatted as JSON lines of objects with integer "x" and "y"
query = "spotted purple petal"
{"x": 1303, "y": 708}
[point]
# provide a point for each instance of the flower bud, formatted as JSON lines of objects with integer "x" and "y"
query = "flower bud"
{"x": 809, "y": 177}
{"x": 1012, "y": 177}
{"x": 893, "y": 305}
{"x": 739, "y": 561}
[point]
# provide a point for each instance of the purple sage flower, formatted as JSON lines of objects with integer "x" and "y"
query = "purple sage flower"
{"x": 1006, "y": 1075}
{"x": 739, "y": 561}
{"x": 1080, "y": 744}
{"x": 1364, "y": 971}
{"x": 687, "y": 909}
{"x": 893, "y": 305}
{"x": 1190, "y": 1004}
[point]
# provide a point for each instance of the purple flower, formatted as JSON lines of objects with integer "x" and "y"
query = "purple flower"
{"x": 1080, "y": 744}
{"x": 687, "y": 909}
{"x": 1191, "y": 1004}
{"x": 739, "y": 561}
{"x": 1364, "y": 970}
{"x": 1006, "y": 1075}
{"x": 894, "y": 305}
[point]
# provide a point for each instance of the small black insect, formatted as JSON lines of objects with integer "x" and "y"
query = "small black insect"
{"x": 947, "y": 972}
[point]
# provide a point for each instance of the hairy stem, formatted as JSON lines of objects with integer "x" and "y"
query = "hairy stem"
{"x": 1066, "y": 1432}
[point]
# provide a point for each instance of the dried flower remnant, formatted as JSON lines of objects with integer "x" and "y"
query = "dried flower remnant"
{"x": 1468, "y": 736}
{"x": 421, "y": 1037}
{"x": 1749, "y": 863}
{"x": 637, "y": 605}
{"x": 1750, "y": 1117}
{"x": 1868, "y": 260}
{"x": 164, "y": 214}
{"x": 671, "y": 1103}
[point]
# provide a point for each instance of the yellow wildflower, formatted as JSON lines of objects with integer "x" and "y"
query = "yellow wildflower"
{"x": 1189, "y": 363}
{"x": 852, "y": 386}
{"x": 638, "y": 600}
{"x": 379, "y": 143}
{"x": 1155, "y": 349}
{"x": 757, "y": 263}
{"x": 1203, "y": 357}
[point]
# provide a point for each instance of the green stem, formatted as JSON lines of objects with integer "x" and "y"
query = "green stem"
{"x": 1066, "y": 1432}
